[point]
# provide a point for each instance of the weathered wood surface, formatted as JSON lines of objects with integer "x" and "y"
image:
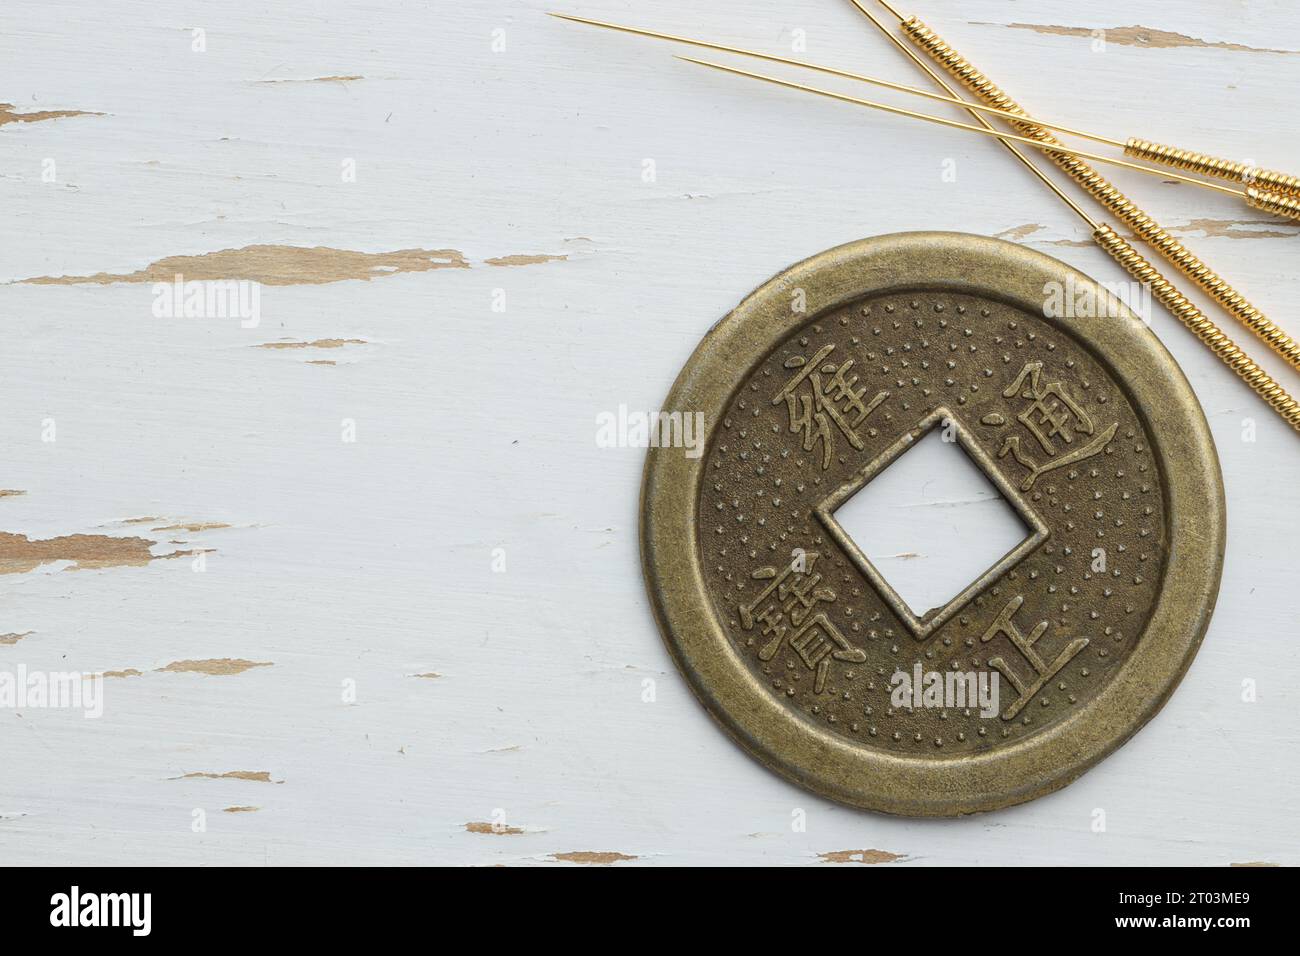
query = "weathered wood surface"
{"x": 499, "y": 159}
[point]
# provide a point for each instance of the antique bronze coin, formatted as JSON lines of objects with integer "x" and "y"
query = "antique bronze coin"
{"x": 799, "y": 646}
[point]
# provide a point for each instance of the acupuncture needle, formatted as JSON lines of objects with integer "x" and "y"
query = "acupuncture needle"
{"x": 834, "y": 71}
{"x": 1132, "y": 261}
{"x": 1263, "y": 200}
{"x": 1091, "y": 181}
{"x": 1010, "y": 147}
{"x": 954, "y": 124}
{"x": 1245, "y": 174}
{"x": 1136, "y": 265}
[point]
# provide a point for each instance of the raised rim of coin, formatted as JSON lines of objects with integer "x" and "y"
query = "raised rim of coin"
{"x": 832, "y": 765}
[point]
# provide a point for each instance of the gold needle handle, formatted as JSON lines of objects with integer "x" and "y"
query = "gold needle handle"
{"x": 1201, "y": 326}
{"x": 1279, "y": 204}
{"x": 1206, "y": 165}
{"x": 1105, "y": 193}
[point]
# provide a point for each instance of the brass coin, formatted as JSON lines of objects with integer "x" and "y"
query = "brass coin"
{"x": 795, "y": 642}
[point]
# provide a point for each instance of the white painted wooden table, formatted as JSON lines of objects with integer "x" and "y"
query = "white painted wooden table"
{"x": 463, "y": 264}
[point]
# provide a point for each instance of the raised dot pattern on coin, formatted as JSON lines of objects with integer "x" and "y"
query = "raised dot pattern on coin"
{"x": 835, "y": 402}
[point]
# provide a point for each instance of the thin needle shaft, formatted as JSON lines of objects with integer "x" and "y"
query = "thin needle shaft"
{"x": 953, "y": 124}
{"x": 1015, "y": 151}
{"x": 1178, "y": 304}
{"x": 846, "y": 74}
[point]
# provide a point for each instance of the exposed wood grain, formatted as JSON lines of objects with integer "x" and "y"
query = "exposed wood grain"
{"x": 19, "y": 553}
{"x": 1148, "y": 37}
{"x": 315, "y": 79}
{"x": 523, "y": 260}
{"x": 590, "y": 858}
{"x": 9, "y": 115}
{"x": 867, "y": 857}
{"x": 495, "y": 829}
{"x": 257, "y": 776}
{"x": 217, "y": 667}
{"x": 316, "y": 344}
{"x": 276, "y": 265}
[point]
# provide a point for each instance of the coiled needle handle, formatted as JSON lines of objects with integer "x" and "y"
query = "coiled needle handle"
{"x": 1105, "y": 193}
{"x": 1119, "y": 249}
{"x": 1206, "y": 165}
{"x": 1129, "y": 258}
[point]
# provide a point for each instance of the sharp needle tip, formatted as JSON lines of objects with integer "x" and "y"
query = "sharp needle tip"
{"x": 716, "y": 66}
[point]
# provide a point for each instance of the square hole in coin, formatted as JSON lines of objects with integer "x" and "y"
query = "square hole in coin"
{"x": 931, "y": 523}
